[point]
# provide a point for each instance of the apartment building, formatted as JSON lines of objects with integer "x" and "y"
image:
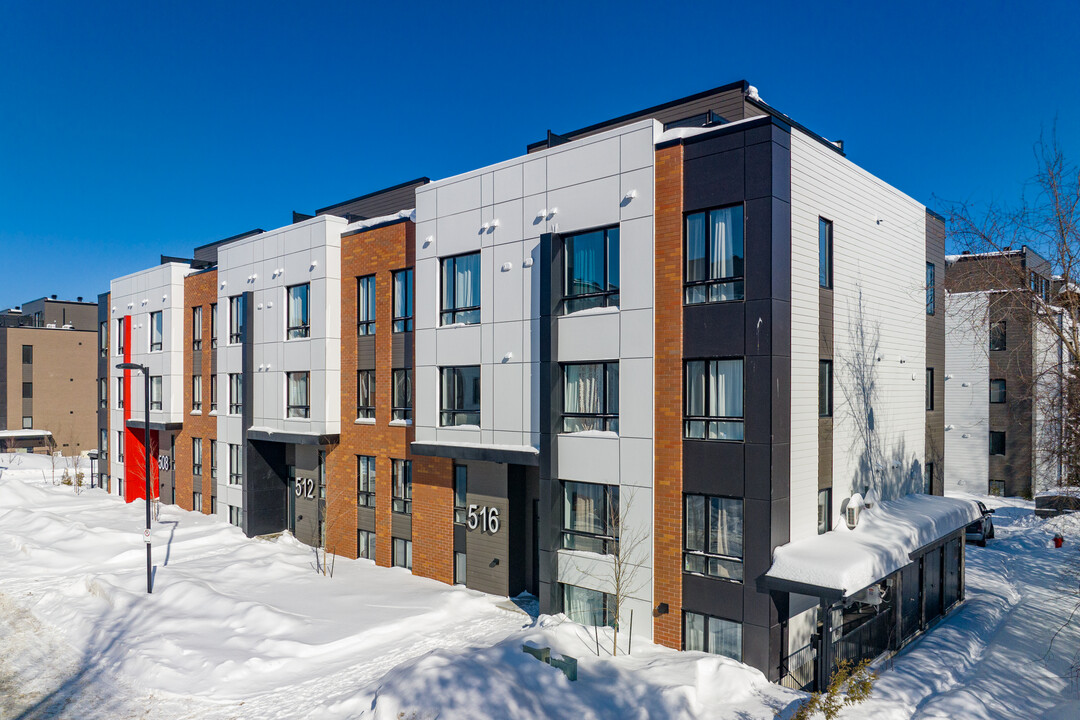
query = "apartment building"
{"x": 634, "y": 371}
{"x": 47, "y": 376}
{"x": 1007, "y": 373}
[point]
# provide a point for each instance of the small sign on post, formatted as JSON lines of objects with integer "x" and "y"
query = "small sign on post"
{"x": 146, "y": 536}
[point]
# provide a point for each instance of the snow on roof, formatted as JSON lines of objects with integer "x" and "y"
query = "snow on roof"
{"x": 24, "y": 433}
{"x": 850, "y": 560}
{"x": 371, "y": 222}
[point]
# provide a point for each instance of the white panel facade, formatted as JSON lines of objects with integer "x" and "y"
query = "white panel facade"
{"x": 967, "y": 393}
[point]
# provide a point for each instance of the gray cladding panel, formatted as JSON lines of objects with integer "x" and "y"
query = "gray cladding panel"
{"x": 365, "y": 352}
{"x": 401, "y": 351}
{"x": 365, "y": 519}
{"x": 378, "y": 204}
{"x": 488, "y": 554}
{"x": 401, "y": 525}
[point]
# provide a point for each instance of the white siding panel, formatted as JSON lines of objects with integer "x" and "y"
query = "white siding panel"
{"x": 967, "y": 393}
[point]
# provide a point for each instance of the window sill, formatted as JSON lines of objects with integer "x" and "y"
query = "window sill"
{"x": 459, "y": 427}
{"x": 592, "y": 434}
{"x": 212, "y": 413}
{"x": 715, "y": 440}
{"x": 712, "y": 577}
{"x": 606, "y": 310}
{"x": 364, "y": 421}
{"x": 457, "y": 325}
{"x": 400, "y": 423}
{"x": 196, "y": 412}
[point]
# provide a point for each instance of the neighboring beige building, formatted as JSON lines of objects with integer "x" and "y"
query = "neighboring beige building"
{"x": 48, "y": 376}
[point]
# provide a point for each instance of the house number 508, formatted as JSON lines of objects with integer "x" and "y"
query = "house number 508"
{"x": 485, "y": 518}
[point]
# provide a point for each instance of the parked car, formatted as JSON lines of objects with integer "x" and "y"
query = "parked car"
{"x": 982, "y": 529}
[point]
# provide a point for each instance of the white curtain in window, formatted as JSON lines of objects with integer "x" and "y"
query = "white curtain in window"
{"x": 586, "y": 264}
{"x": 695, "y": 388}
{"x": 725, "y": 638}
{"x": 584, "y": 606}
{"x": 298, "y": 314}
{"x": 695, "y": 247}
{"x": 298, "y": 389}
{"x": 585, "y": 507}
{"x": 584, "y": 388}
{"x": 467, "y": 281}
{"x": 726, "y": 381}
{"x": 695, "y": 632}
{"x": 726, "y": 522}
{"x": 724, "y": 239}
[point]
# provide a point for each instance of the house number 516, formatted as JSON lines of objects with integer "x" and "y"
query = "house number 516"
{"x": 484, "y": 517}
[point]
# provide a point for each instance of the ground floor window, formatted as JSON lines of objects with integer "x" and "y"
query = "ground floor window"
{"x": 997, "y": 487}
{"x": 824, "y": 510}
{"x": 712, "y": 635}
{"x": 459, "y": 568}
{"x": 588, "y": 607}
{"x": 213, "y": 504}
{"x": 196, "y": 501}
{"x": 402, "y": 553}
{"x": 365, "y": 544}
{"x": 365, "y": 481}
{"x": 713, "y": 536}
{"x": 234, "y": 515}
{"x": 120, "y": 486}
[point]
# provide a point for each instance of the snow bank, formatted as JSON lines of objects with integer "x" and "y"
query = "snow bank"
{"x": 881, "y": 543}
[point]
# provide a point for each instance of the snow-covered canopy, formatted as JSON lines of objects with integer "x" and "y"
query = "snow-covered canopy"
{"x": 846, "y": 561}
{"x": 16, "y": 434}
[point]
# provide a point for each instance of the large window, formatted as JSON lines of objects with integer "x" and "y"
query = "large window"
{"x": 28, "y": 354}
{"x": 929, "y": 389}
{"x": 401, "y": 401}
{"x": 196, "y": 327}
{"x": 213, "y": 459}
{"x": 591, "y": 517}
{"x": 120, "y": 336}
{"x": 714, "y": 255}
{"x": 28, "y": 390}
{"x": 235, "y": 516}
{"x": 103, "y": 393}
{"x": 461, "y": 289}
{"x": 997, "y": 335}
{"x": 299, "y": 402}
{"x": 588, "y": 607}
{"x": 459, "y": 568}
{"x": 403, "y": 300}
{"x": 365, "y": 544}
{"x": 155, "y": 392}
{"x": 365, "y": 394}
{"x": 997, "y": 391}
{"x": 460, "y": 396}
{"x": 236, "y": 464}
{"x": 461, "y": 489}
{"x": 213, "y": 325}
{"x": 825, "y": 253}
{"x": 120, "y": 446}
{"x": 714, "y": 399}
{"x": 213, "y": 392}
{"x": 401, "y": 486}
{"x": 591, "y": 277}
{"x": 103, "y": 444}
{"x": 591, "y": 397}
{"x": 365, "y": 305}
{"x": 825, "y": 388}
{"x": 196, "y": 456}
{"x": 196, "y": 393}
{"x": 714, "y": 536}
{"x": 103, "y": 339}
{"x": 236, "y": 393}
{"x": 705, "y": 633}
{"x": 236, "y": 318}
{"x": 930, "y": 287}
{"x": 299, "y": 315}
{"x": 155, "y": 331}
{"x": 401, "y": 553}
{"x": 997, "y": 442}
{"x": 365, "y": 481}
{"x": 119, "y": 393}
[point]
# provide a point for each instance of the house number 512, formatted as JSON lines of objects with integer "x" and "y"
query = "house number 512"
{"x": 484, "y": 517}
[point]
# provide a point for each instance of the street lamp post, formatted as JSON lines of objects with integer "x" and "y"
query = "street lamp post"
{"x": 146, "y": 446}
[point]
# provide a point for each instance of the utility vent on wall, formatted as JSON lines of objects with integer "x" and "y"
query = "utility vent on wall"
{"x": 851, "y": 509}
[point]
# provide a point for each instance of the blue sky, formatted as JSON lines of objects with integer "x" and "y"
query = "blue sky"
{"x": 130, "y": 130}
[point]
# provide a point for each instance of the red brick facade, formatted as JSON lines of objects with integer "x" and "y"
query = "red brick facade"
{"x": 667, "y": 629}
{"x": 200, "y": 290}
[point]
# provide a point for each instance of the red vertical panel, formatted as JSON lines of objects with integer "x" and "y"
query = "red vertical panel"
{"x": 133, "y": 448}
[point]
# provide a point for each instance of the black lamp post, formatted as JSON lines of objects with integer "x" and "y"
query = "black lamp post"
{"x": 146, "y": 446}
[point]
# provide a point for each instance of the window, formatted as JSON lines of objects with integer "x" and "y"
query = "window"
{"x": 236, "y": 318}
{"x": 588, "y": 607}
{"x": 365, "y": 394}
{"x": 120, "y": 336}
{"x": 824, "y": 510}
{"x": 825, "y": 253}
{"x": 929, "y": 389}
{"x": 155, "y": 392}
{"x": 196, "y": 328}
{"x": 930, "y": 282}
{"x": 714, "y": 537}
{"x": 213, "y": 504}
{"x": 714, "y": 255}
{"x": 234, "y": 515}
{"x": 461, "y": 289}
{"x": 824, "y": 388}
{"x": 28, "y": 422}
{"x": 196, "y": 501}
{"x": 365, "y": 305}
{"x": 591, "y": 397}
{"x": 103, "y": 444}
{"x": 28, "y": 354}
{"x": 928, "y": 478}
{"x": 236, "y": 393}
{"x": 365, "y": 544}
{"x": 460, "y": 396}
{"x": 103, "y": 393}
{"x": 196, "y": 392}
{"x": 997, "y": 442}
{"x": 997, "y": 487}
{"x": 27, "y": 390}
{"x": 714, "y": 400}
{"x": 213, "y": 325}
{"x": 461, "y": 489}
{"x": 403, "y": 300}
{"x": 591, "y": 517}
{"x": 459, "y": 568}
{"x": 236, "y": 464}
{"x": 402, "y": 395}
{"x": 997, "y": 335}
{"x": 997, "y": 391}
{"x": 365, "y": 481}
{"x": 591, "y": 277}
{"x": 401, "y": 486}
{"x": 213, "y": 393}
{"x": 155, "y": 331}
{"x": 402, "y": 553}
{"x": 705, "y": 633}
{"x": 120, "y": 446}
{"x": 299, "y": 406}
{"x": 119, "y": 393}
{"x": 213, "y": 459}
{"x": 103, "y": 339}
{"x": 298, "y": 311}
{"x": 196, "y": 456}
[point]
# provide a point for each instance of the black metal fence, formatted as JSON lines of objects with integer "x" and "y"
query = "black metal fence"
{"x": 799, "y": 669}
{"x": 866, "y": 641}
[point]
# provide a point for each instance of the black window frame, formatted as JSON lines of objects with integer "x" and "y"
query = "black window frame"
{"x": 120, "y": 393}
{"x": 999, "y": 338}
{"x": 213, "y": 458}
{"x": 737, "y": 281}
{"x": 196, "y": 456}
{"x": 365, "y": 480}
{"x": 824, "y": 519}
{"x": 602, "y": 543}
{"x": 705, "y": 640}
{"x": 455, "y": 413}
{"x": 236, "y": 464}
{"x": 931, "y": 288}
{"x": 691, "y": 556}
{"x": 999, "y": 437}
{"x": 607, "y": 420}
{"x": 825, "y": 253}
{"x": 739, "y": 421}
{"x": 157, "y": 388}
{"x": 406, "y": 548}
{"x": 28, "y": 390}
{"x": 402, "y": 323}
{"x": 213, "y": 324}
{"x": 303, "y": 330}
{"x": 1002, "y": 388}
{"x": 366, "y": 286}
{"x": 103, "y": 393}
{"x": 157, "y": 346}
{"x": 466, "y": 314}
{"x": 236, "y": 393}
{"x": 609, "y": 296}
{"x": 27, "y": 352}
{"x": 365, "y": 407}
{"x": 196, "y": 392}
{"x": 460, "y": 573}
{"x": 213, "y": 392}
{"x": 368, "y": 552}
{"x": 295, "y": 410}
{"x": 929, "y": 389}
{"x": 401, "y": 487}
{"x": 103, "y": 339}
{"x": 401, "y": 410}
{"x": 120, "y": 336}
{"x": 825, "y": 388}
{"x": 461, "y": 493}
{"x": 196, "y": 327}
{"x": 236, "y": 319}
{"x": 608, "y": 600}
